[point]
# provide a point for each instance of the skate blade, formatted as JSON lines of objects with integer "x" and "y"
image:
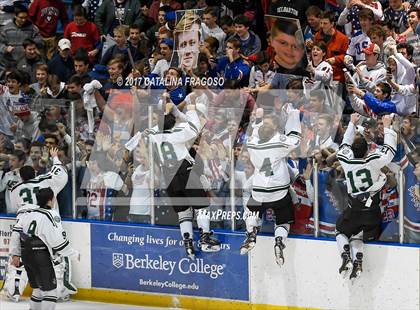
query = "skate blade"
{"x": 347, "y": 272}
{"x": 191, "y": 256}
{"x": 280, "y": 261}
{"x": 210, "y": 249}
{"x": 354, "y": 279}
{"x": 245, "y": 250}
{"x": 279, "y": 258}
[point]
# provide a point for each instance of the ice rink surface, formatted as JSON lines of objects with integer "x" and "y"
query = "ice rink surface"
{"x": 5, "y": 304}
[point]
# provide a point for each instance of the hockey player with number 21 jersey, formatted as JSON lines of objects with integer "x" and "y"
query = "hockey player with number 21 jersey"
{"x": 361, "y": 220}
{"x": 268, "y": 152}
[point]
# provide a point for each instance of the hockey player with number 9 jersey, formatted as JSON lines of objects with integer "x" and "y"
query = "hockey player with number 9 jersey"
{"x": 38, "y": 238}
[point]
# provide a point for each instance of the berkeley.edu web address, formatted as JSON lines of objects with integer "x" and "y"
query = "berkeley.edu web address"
{"x": 170, "y": 284}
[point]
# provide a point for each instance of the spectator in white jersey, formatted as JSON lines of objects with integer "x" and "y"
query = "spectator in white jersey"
{"x": 360, "y": 40}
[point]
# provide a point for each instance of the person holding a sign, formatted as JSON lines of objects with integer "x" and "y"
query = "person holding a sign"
{"x": 288, "y": 44}
{"x": 187, "y": 38}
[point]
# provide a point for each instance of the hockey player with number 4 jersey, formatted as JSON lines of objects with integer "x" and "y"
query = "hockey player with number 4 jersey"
{"x": 361, "y": 220}
{"x": 268, "y": 153}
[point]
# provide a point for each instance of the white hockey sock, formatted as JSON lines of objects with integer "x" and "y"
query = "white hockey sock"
{"x": 203, "y": 219}
{"x": 282, "y": 231}
{"x": 186, "y": 227}
{"x": 251, "y": 221}
{"x": 342, "y": 240}
{"x": 356, "y": 245}
{"x": 49, "y": 300}
{"x": 35, "y": 303}
{"x": 185, "y": 222}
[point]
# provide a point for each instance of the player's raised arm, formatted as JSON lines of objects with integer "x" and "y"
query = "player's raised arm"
{"x": 293, "y": 128}
{"x": 389, "y": 147}
{"x": 348, "y": 139}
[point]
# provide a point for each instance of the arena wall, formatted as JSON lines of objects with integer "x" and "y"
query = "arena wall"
{"x": 146, "y": 265}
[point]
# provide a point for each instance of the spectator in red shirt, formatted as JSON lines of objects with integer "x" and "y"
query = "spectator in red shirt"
{"x": 337, "y": 44}
{"x": 154, "y": 8}
{"x": 83, "y": 33}
{"x": 45, "y": 14}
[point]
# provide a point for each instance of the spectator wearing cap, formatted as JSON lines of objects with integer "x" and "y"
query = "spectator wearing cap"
{"x": 371, "y": 71}
{"x": 250, "y": 42}
{"x": 83, "y": 34}
{"x": 45, "y": 14}
{"x": 30, "y": 60}
{"x": 13, "y": 34}
{"x": 27, "y": 125}
{"x": 210, "y": 27}
{"x": 112, "y": 13}
{"x": 154, "y": 8}
{"x": 62, "y": 63}
{"x": 166, "y": 50}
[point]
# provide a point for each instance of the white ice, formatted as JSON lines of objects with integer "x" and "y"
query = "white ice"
{"x": 6, "y": 304}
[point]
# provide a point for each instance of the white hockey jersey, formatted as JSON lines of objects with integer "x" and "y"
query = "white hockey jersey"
{"x": 141, "y": 198}
{"x": 25, "y": 192}
{"x": 322, "y": 78}
{"x": 44, "y": 224}
{"x": 7, "y": 181}
{"x": 356, "y": 46}
{"x": 172, "y": 145}
{"x": 100, "y": 191}
{"x": 371, "y": 76}
{"x": 271, "y": 178}
{"x": 364, "y": 174}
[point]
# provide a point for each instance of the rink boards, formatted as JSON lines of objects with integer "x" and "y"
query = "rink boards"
{"x": 146, "y": 266}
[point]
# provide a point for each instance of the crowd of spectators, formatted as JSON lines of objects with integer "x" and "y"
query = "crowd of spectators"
{"x": 362, "y": 56}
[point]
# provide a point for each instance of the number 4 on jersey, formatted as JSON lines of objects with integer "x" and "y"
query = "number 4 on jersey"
{"x": 266, "y": 167}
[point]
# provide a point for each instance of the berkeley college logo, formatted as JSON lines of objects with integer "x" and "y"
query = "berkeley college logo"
{"x": 117, "y": 260}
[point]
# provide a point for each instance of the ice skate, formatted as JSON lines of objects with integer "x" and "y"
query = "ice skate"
{"x": 249, "y": 243}
{"x": 346, "y": 266}
{"x": 208, "y": 243}
{"x": 357, "y": 267}
{"x": 189, "y": 247}
{"x": 278, "y": 251}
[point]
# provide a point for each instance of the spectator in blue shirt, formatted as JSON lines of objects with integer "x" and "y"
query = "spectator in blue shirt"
{"x": 233, "y": 67}
{"x": 380, "y": 101}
